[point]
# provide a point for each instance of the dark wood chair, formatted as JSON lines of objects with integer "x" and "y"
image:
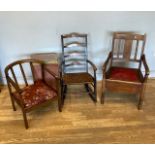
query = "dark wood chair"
{"x": 36, "y": 94}
{"x": 125, "y": 69}
{"x": 74, "y": 64}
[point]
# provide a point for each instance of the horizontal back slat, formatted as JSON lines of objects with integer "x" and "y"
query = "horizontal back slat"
{"x": 74, "y": 34}
{"x": 128, "y": 36}
{"x": 74, "y": 44}
{"x": 74, "y": 51}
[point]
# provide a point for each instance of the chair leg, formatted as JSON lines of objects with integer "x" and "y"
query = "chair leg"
{"x": 140, "y": 102}
{"x": 65, "y": 91}
{"x": 95, "y": 91}
{"x": 102, "y": 92}
{"x": 60, "y": 103}
{"x": 25, "y": 120}
{"x": 13, "y": 103}
{"x": 102, "y": 97}
{"x": 62, "y": 94}
{"x": 92, "y": 93}
{"x": 141, "y": 97}
{"x": 86, "y": 87}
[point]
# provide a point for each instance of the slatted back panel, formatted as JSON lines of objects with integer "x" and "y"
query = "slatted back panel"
{"x": 74, "y": 52}
{"x": 17, "y": 71}
{"x": 128, "y": 46}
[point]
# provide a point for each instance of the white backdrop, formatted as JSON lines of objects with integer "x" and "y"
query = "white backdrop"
{"x": 23, "y": 33}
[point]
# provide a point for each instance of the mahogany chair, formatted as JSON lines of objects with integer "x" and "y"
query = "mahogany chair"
{"x": 125, "y": 69}
{"x": 31, "y": 96}
{"x": 74, "y": 64}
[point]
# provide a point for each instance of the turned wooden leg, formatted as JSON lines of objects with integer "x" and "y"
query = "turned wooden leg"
{"x": 25, "y": 120}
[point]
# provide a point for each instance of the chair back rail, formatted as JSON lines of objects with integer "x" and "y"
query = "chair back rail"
{"x": 128, "y": 46}
{"x": 10, "y": 73}
{"x": 74, "y": 52}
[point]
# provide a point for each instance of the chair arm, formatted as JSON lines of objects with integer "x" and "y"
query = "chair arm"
{"x": 107, "y": 61}
{"x": 143, "y": 60}
{"x": 92, "y": 64}
{"x": 51, "y": 73}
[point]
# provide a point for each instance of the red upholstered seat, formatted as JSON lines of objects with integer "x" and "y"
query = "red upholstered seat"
{"x": 124, "y": 74}
{"x": 35, "y": 94}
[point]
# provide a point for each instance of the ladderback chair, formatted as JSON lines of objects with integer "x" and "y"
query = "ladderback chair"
{"x": 74, "y": 64}
{"x": 34, "y": 94}
{"x": 125, "y": 69}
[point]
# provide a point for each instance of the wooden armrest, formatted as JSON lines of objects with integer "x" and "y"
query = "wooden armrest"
{"x": 92, "y": 64}
{"x": 107, "y": 61}
{"x": 143, "y": 60}
{"x": 50, "y": 72}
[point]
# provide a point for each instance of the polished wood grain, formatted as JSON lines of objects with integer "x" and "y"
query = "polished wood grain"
{"x": 82, "y": 121}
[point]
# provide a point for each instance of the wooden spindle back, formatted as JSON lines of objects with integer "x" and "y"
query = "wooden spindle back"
{"x": 128, "y": 46}
{"x": 10, "y": 70}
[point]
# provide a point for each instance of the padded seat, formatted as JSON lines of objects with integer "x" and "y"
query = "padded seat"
{"x": 35, "y": 94}
{"x": 73, "y": 78}
{"x": 124, "y": 74}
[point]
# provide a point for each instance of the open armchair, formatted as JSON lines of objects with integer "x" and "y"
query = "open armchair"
{"x": 126, "y": 69}
{"x": 31, "y": 96}
{"x": 75, "y": 64}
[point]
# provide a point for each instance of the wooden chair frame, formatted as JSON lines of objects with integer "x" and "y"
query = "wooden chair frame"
{"x": 13, "y": 83}
{"x": 126, "y": 86}
{"x": 89, "y": 85}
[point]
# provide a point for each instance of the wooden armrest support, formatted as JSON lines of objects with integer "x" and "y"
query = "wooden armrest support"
{"x": 107, "y": 61}
{"x": 143, "y": 60}
{"x": 92, "y": 64}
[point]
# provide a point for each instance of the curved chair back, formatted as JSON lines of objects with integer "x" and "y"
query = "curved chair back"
{"x": 19, "y": 68}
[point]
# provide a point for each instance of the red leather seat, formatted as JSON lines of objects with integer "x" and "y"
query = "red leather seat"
{"x": 124, "y": 74}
